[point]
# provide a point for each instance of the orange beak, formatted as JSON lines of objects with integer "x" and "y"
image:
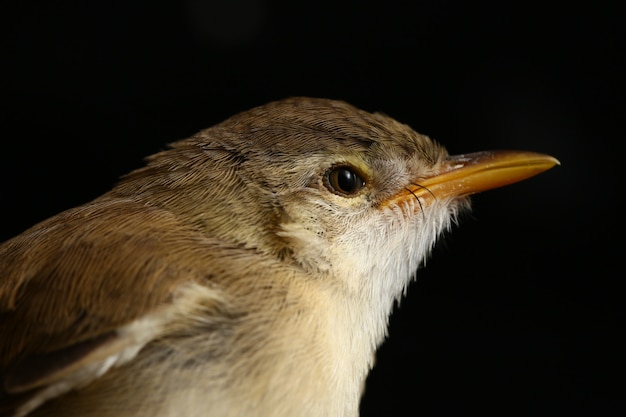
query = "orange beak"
{"x": 462, "y": 175}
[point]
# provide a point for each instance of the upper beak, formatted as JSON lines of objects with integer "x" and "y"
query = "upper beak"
{"x": 472, "y": 173}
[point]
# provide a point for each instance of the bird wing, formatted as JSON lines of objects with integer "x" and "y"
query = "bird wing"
{"x": 85, "y": 290}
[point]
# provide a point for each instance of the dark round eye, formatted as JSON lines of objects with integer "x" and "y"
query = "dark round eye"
{"x": 344, "y": 180}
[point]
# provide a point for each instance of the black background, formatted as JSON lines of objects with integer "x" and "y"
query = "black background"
{"x": 520, "y": 309}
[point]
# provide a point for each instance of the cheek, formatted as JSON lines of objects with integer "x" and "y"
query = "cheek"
{"x": 307, "y": 246}
{"x": 383, "y": 248}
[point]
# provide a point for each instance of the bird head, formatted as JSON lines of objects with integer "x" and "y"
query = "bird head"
{"x": 339, "y": 191}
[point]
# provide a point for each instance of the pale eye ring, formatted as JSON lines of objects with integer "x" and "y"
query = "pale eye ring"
{"x": 344, "y": 180}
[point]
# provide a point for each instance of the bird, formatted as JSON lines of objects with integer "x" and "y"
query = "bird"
{"x": 248, "y": 270}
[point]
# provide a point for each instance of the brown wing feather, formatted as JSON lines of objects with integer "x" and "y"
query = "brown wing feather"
{"x": 68, "y": 283}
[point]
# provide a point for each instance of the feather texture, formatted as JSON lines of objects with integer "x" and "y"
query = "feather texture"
{"x": 227, "y": 277}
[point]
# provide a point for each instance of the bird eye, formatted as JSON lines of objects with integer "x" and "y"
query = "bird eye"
{"x": 344, "y": 180}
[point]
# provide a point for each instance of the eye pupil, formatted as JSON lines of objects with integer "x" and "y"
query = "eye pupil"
{"x": 347, "y": 180}
{"x": 344, "y": 180}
